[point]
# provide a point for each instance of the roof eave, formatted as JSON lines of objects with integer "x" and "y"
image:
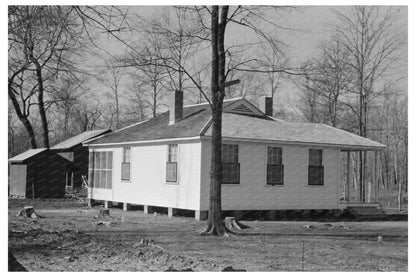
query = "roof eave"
{"x": 343, "y": 147}
{"x": 112, "y": 144}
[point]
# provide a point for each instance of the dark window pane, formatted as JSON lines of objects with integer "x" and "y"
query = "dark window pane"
{"x": 229, "y": 153}
{"x": 315, "y": 175}
{"x": 110, "y": 160}
{"x": 109, "y": 179}
{"x": 103, "y": 160}
{"x": 315, "y": 157}
{"x": 91, "y": 160}
{"x": 275, "y": 174}
{"x": 274, "y": 155}
{"x": 97, "y": 160}
{"x": 125, "y": 171}
{"x": 96, "y": 178}
{"x": 172, "y": 153}
{"x": 90, "y": 169}
{"x": 126, "y": 154}
{"x": 230, "y": 173}
{"x": 103, "y": 179}
{"x": 171, "y": 172}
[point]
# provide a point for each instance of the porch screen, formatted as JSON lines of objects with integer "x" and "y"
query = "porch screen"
{"x": 101, "y": 169}
{"x": 125, "y": 164}
{"x": 230, "y": 164}
{"x": 275, "y": 167}
{"x": 172, "y": 163}
{"x": 315, "y": 169}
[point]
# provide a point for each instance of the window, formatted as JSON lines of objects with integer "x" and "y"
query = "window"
{"x": 275, "y": 167}
{"x": 172, "y": 164}
{"x": 230, "y": 164}
{"x": 315, "y": 169}
{"x": 125, "y": 164}
{"x": 100, "y": 169}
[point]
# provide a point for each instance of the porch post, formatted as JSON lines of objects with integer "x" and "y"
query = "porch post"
{"x": 347, "y": 186}
{"x": 376, "y": 176}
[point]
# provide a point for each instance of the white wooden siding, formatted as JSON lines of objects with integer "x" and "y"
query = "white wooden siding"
{"x": 253, "y": 194}
{"x": 148, "y": 186}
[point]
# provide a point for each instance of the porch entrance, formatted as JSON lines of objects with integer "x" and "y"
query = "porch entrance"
{"x": 360, "y": 171}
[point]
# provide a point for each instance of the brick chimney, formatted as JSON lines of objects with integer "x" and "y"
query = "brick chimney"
{"x": 176, "y": 107}
{"x": 266, "y": 105}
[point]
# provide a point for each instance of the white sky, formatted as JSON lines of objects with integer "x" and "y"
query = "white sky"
{"x": 313, "y": 25}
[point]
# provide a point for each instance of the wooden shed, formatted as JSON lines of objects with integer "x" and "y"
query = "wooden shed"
{"x": 76, "y": 155}
{"x": 37, "y": 173}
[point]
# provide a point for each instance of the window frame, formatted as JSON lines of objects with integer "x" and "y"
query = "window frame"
{"x": 267, "y": 164}
{"x": 98, "y": 172}
{"x": 234, "y": 163}
{"x": 169, "y": 162}
{"x": 124, "y": 162}
{"x": 314, "y": 166}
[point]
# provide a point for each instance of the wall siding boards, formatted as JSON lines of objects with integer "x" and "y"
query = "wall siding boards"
{"x": 253, "y": 194}
{"x": 147, "y": 184}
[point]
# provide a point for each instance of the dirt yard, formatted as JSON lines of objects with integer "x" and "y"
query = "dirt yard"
{"x": 67, "y": 238}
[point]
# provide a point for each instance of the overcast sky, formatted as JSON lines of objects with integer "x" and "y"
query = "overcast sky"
{"x": 311, "y": 24}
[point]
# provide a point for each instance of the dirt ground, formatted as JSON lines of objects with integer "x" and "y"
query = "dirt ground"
{"x": 67, "y": 238}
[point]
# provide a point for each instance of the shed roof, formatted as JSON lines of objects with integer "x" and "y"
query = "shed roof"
{"x": 238, "y": 123}
{"x": 80, "y": 138}
{"x": 26, "y": 155}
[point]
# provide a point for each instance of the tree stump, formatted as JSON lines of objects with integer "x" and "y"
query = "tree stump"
{"x": 104, "y": 212}
{"x": 27, "y": 211}
{"x": 232, "y": 223}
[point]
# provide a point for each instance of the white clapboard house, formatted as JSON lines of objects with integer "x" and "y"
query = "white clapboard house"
{"x": 268, "y": 163}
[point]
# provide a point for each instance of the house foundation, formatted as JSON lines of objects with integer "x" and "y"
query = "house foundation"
{"x": 201, "y": 215}
{"x": 147, "y": 209}
{"x": 172, "y": 212}
{"x": 91, "y": 202}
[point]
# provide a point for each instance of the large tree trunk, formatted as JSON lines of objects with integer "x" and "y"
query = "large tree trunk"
{"x": 41, "y": 103}
{"x": 216, "y": 225}
{"x": 25, "y": 121}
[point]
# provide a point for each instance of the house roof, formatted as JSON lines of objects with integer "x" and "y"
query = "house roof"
{"x": 241, "y": 120}
{"x": 26, "y": 155}
{"x": 195, "y": 117}
{"x": 272, "y": 129}
{"x": 80, "y": 138}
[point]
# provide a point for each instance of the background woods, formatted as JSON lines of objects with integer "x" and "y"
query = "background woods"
{"x": 72, "y": 69}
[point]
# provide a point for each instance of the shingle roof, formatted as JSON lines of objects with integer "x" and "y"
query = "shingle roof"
{"x": 26, "y": 155}
{"x": 80, "y": 138}
{"x": 194, "y": 119}
{"x": 239, "y": 126}
{"x": 196, "y": 122}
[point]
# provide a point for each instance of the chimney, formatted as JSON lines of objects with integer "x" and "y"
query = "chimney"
{"x": 266, "y": 105}
{"x": 176, "y": 107}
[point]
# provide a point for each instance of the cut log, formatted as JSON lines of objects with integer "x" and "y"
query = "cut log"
{"x": 26, "y": 211}
{"x": 232, "y": 223}
{"x": 104, "y": 212}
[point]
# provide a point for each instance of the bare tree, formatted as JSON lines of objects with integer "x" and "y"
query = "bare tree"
{"x": 152, "y": 76}
{"x": 42, "y": 39}
{"x": 326, "y": 83}
{"x": 213, "y": 21}
{"x": 65, "y": 98}
{"x": 22, "y": 99}
{"x": 368, "y": 35}
{"x": 111, "y": 77}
